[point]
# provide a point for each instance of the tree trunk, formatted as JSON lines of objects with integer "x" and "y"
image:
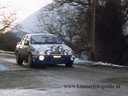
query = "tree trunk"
{"x": 109, "y": 37}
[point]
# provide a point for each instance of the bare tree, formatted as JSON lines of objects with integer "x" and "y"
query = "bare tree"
{"x": 73, "y": 23}
{"x": 7, "y": 19}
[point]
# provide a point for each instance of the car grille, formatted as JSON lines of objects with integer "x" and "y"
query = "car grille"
{"x": 56, "y": 53}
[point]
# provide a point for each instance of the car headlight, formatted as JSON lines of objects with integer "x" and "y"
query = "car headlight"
{"x": 41, "y": 58}
{"x": 48, "y": 52}
{"x": 35, "y": 53}
{"x": 38, "y": 53}
{"x": 41, "y": 53}
{"x": 53, "y": 48}
{"x": 65, "y": 52}
{"x": 60, "y": 48}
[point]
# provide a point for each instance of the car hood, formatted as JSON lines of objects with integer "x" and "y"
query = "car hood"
{"x": 44, "y": 47}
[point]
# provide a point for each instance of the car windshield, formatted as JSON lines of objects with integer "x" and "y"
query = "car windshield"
{"x": 39, "y": 39}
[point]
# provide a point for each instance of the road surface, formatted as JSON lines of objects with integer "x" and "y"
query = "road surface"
{"x": 81, "y": 80}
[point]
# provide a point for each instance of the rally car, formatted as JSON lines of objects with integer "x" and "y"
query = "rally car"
{"x": 39, "y": 48}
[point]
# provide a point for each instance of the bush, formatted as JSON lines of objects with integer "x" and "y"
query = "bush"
{"x": 8, "y": 41}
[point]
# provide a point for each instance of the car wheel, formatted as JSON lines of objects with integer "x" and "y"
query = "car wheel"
{"x": 30, "y": 62}
{"x": 69, "y": 64}
{"x": 18, "y": 59}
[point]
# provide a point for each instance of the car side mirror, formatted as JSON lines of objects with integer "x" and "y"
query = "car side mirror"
{"x": 26, "y": 43}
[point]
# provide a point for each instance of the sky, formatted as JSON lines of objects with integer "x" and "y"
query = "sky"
{"x": 24, "y": 8}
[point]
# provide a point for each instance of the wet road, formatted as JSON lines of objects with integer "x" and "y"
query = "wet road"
{"x": 82, "y": 80}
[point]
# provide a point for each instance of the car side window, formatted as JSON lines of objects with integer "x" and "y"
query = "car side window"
{"x": 22, "y": 40}
{"x": 26, "y": 40}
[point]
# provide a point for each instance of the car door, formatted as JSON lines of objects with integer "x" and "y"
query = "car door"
{"x": 26, "y": 47}
{"x": 20, "y": 47}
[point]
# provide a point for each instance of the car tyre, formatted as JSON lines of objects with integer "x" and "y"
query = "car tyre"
{"x": 30, "y": 62}
{"x": 18, "y": 59}
{"x": 69, "y": 64}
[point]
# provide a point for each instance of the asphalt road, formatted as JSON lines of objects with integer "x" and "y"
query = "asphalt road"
{"x": 81, "y": 80}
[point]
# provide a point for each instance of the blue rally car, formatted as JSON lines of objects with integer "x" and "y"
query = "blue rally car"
{"x": 39, "y": 48}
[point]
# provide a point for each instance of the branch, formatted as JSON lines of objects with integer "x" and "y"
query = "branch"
{"x": 7, "y": 22}
{"x": 59, "y": 3}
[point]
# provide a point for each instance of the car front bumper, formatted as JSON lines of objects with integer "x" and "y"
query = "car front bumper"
{"x": 63, "y": 59}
